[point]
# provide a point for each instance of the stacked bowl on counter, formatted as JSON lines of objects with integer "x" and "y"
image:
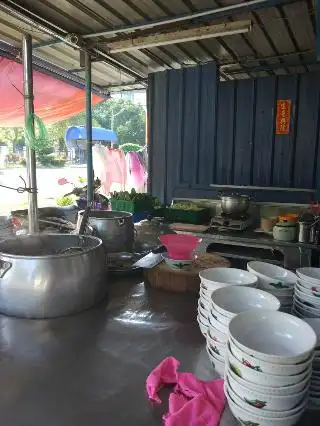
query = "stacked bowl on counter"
{"x": 275, "y": 280}
{"x": 268, "y": 367}
{"x": 216, "y": 312}
{"x": 306, "y": 302}
{"x": 314, "y": 390}
{"x": 212, "y": 279}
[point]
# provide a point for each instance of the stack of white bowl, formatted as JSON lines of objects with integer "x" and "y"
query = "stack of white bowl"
{"x": 214, "y": 278}
{"x": 314, "y": 391}
{"x": 307, "y": 293}
{"x": 226, "y": 303}
{"x": 269, "y": 365}
{"x": 275, "y": 280}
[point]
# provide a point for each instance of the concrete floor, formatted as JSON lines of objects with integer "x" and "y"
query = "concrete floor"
{"x": 90, "y": 369}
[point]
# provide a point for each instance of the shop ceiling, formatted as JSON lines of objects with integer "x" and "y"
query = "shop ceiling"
{"x": 130, "y": 38}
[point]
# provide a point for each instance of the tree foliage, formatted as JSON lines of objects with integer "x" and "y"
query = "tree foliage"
{"x": 127, "y": 119}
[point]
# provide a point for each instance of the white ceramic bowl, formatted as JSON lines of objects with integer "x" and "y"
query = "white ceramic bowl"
{"x": 271, "y": 390}
{"x": 230, "y": 301}
{"x": 314, "y": 301}
{"x": 266, "y": 401}
{"x": 203, "y": 318}
{"x": 315, "y": 324}
{"x": 265, "y": 379}
{"x": 217, "y": 335}
{"x": 219, "y": 366}
{"x": 313, "y": 291}
{"x": 273, "y": 336}
{"x": 272, "y": 277}
{"x": 216, "y": 348}
{"x": 267, "y": 367}
{"x": 203, "y": 327}
{"x": 309, "y": 285}
{"x": 205, "y": 296}
{"x": 311, "y": 275}
{"x": 309, "y": 310}
{"x": 214, "y": 278}
{"x": 214, "y": 354}
{"x": 249, "y": 406}
{"x": 218, "y": 325}
{"x": 219, "y": 317}
{"x": 245, "y": 417}
{"x": 203, "y": 308}
{"x": 176, "y": 264}
{"x": 213, "y": 342}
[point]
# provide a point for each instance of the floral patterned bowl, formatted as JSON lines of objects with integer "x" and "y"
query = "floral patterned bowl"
{"x": 272, "y": 277}
{"x": 265, "y": 379}
{"x": 273, "y": 336}
{"x": 267, "y": 367}
{"x": 176, "y": 264}
{"x": 246, "y": 418}
{"x": 271, "y": 390}
{"x": 254, "y": 406}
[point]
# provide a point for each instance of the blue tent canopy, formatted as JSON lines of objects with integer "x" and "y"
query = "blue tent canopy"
{"x": 98, "y": 134}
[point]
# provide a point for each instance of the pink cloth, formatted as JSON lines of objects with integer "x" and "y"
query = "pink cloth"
{"x": 193, "y": 402}
{"x": 136, "y": 170}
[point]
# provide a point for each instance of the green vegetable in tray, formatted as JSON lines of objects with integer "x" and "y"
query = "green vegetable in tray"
{"x": 186, "y": 206}
{"x": 133, "y": 196}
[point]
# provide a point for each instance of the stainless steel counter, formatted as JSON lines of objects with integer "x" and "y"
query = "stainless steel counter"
{"x": 259, "y": 238}
{"x": 90, "y": 368}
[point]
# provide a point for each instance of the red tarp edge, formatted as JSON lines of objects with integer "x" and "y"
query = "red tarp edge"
{"x": 54, "y": 100}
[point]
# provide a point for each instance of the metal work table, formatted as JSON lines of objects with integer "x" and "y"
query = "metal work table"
{"x": 295, "y": 254}
{"x": 90, "y": 369}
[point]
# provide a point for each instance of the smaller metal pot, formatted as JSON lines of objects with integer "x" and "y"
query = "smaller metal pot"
{"x": 235, "y": 204}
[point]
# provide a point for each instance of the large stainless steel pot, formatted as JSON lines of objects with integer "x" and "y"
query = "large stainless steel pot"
{"x": 235, "y": 204}
{"x": 115, "y": 229}
{"x": 41, "y": 277}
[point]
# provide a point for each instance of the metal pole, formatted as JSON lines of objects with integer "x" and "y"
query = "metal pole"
{"x": 89, "y": 130}
{"x": 31, "y": 156}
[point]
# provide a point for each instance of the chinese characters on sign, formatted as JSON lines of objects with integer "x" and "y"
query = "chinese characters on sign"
{"x": 283, "y": 117}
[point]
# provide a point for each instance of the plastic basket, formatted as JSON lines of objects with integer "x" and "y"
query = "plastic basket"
{"x": 131, "y": 206}
{"x": 196, "y": 217}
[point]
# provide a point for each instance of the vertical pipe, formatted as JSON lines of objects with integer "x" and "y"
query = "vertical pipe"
{"x": 31, "y": 156}
{"x": 89, "y": 130}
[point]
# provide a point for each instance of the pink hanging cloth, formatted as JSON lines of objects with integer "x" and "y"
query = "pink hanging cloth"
{"x": 193, "y": 402}
{"x": 136, "y": 170}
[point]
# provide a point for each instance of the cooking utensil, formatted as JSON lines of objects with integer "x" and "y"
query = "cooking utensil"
{"x": 115, "y": 229}
{"x": 235, "y": 204}
{"x": 49, "y": 275}
{"x": 151, "y": 259}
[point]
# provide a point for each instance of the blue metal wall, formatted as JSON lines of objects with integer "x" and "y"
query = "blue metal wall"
{"x": 202, "y": 132}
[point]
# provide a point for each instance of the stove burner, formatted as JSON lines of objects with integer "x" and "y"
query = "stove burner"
{"x": 225, "y": 222}
{"x": 242, "y": 217}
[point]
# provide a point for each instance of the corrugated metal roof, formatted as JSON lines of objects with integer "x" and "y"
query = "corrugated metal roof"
{"x": 282, "y": 40}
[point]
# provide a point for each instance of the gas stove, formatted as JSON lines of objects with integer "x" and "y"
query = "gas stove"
{"x": 225, "y": 222}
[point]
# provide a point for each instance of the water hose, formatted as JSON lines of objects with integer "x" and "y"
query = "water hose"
{"x": 36, "y": 142}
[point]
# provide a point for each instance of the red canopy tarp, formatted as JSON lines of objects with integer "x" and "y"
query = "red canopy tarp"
{"x": 54, "y": 100}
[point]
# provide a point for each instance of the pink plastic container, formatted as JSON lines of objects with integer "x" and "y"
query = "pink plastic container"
{"x": 180, "y": 246}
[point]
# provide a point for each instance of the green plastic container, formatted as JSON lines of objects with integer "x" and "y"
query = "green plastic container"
{"x": 131, "y": 206}
{"x": 197, "y": 217}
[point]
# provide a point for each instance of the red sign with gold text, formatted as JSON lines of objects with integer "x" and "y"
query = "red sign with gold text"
{"x": 283, "y": 116}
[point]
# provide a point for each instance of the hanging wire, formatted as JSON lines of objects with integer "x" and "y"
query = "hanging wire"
{"x": 21, "y": 189}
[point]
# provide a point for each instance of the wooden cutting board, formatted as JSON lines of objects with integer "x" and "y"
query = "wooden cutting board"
{"x": 183, "y": 280}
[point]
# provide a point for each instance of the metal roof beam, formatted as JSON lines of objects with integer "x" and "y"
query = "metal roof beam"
{"x": 14, "y": 9}
{"x": 172, "y": 37}
{"x": 220, "y": 12}
{"x": 270, "y": 67}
